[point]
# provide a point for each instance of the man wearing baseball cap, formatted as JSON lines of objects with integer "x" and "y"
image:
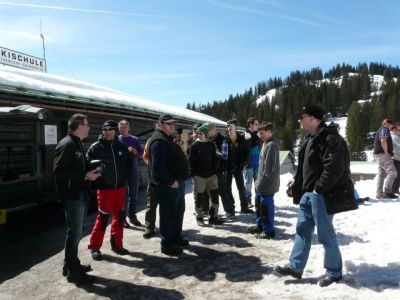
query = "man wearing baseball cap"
{"x": 324, "y": 165}
{"x": 168, "y": 170}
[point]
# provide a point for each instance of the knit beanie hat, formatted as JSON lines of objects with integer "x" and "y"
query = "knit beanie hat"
{"x": 110, "y": 123}
{"x": 203, "y": 128}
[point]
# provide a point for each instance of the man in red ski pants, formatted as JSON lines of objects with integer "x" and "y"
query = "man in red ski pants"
{"x": 111, "y": 190}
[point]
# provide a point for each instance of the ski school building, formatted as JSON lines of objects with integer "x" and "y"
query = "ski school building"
{"x": 34, "y": 110}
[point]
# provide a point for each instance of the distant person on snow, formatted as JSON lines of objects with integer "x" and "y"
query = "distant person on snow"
{"x": 396, "y": 157}
{"x": 383, "y": 152}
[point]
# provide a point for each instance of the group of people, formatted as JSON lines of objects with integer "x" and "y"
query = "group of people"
{"x": 249, "y": 157}
{"x": 212, "y": 161}
{"x": 110, "y": 167}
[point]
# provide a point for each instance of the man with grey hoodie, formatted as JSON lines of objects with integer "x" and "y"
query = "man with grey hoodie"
{"x": 267, "y": 183}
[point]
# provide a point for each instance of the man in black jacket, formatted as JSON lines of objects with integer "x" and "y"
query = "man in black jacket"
{"x": 237, "y": 156}
{"x": 111, "y": 189}
{"x": 168, "y": 170}
{"x": 203, "y": 164}
{"x": 73, "y": 178}
{"x": 324, "y": 162}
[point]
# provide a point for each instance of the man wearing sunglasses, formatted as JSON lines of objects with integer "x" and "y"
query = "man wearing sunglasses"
{"x": 168, "y": 170}
{"x": 111, "y": 189}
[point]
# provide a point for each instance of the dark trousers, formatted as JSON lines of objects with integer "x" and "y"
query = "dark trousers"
{"x": 171, "y": 210}
{"x": 227, "y": 203}
{"x": 75, "y": 212}
{"x": 396, "y": 183}
{"x": 200, "y": 200}
{"x": 131, "y": 193}
{"x": 151, "y": 208}
{"x": 238, "y": 175}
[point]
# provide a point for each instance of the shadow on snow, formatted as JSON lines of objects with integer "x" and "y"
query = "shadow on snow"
{"x": 116, "y": 289}
{"x": 376, "y": 278}
{"x": 200, "y": 262}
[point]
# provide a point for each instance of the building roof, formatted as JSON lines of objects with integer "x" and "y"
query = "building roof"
{"x": 57, "y": 88}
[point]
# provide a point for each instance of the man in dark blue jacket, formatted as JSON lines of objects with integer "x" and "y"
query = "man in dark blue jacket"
{"x": 73, "y": 178}
{"x": 111, "y": 189}
{"x": 168, "y": 170}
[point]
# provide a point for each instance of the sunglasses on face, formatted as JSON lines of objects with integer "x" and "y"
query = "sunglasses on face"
{"x": 231, "y": 126}
{"x": 108, "y": 129}
{"x": 170, "y": 124}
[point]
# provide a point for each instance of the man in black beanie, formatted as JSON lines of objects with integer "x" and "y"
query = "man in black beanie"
{"x": 111, "y": 189}
{"x": 324, "y": 166}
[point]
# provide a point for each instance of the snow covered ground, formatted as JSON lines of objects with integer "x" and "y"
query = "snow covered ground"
{"x": 226, "y": 262}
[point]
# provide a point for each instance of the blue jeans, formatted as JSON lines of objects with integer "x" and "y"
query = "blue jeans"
{"x": 266, "y": 213}
{"x": 75, "y": 211}
{"x": 249, "y": 175}
{"x": 131, "y": 193}
{"x": 171, "y": 210}
{"x": 313, "y": 213}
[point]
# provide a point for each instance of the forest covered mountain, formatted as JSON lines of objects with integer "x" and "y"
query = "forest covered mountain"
{"x": 366, "y": 93}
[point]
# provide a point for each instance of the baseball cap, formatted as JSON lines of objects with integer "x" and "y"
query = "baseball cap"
{"x": 166, "y": 118}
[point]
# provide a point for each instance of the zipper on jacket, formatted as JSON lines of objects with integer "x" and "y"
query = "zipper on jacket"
{"x": 83, "y": 158}
{"x": 115, "y": 165}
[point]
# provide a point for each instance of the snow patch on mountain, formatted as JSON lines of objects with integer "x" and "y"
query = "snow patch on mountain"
{"x": 269, "y": 95}
{"x": 376, "y": 84}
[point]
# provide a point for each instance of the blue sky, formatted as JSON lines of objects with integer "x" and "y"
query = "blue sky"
{"x": 177, "y": 52}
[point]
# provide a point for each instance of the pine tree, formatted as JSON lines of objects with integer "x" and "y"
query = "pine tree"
{"x": 355, "y": 132}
